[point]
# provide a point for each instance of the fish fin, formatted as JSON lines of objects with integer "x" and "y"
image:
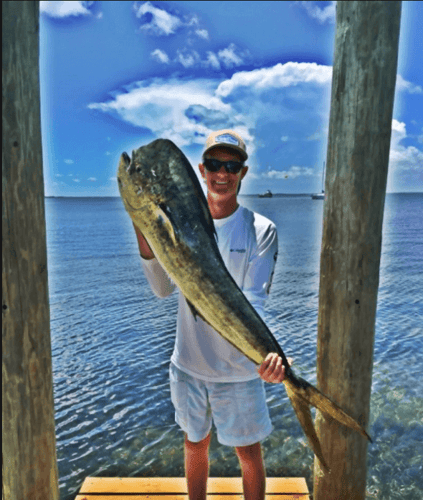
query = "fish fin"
{"x": 314, "y": 397}
{"x": 302, "y": 410}
{"x": 195, "y": 312}
{"x": 166, "y": 215}
{"x": 208, "y": 219}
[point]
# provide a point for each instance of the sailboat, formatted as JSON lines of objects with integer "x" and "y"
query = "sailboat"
{"x": 320, "y": 196}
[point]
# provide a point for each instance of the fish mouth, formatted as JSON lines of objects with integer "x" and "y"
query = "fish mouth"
{"x": 124, "y": 198}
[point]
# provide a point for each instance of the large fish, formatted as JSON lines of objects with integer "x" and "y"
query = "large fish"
{"x": 165, "y": 201}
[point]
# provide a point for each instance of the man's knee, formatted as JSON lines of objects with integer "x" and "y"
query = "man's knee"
{"x": 199, "y": 445}
{"x": 249, "y": 453}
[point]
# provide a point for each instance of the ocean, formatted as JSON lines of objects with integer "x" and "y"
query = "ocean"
{"x": 112, "y": 340}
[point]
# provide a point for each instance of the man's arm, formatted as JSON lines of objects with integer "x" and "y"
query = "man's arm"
{"x": 257, "y": 285}
{"x": 159, "y": 281}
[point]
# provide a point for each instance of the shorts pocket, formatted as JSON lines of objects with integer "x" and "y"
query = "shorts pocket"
{"x": 178, "y": 394}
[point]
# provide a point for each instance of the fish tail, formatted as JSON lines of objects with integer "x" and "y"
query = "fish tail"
{"x": 307, "y": 392}
{"x": 302, "y": 410}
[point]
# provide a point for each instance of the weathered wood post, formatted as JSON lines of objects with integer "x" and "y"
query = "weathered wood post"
{"x": 28, "y": 433}
{"x": 363, "y": 85}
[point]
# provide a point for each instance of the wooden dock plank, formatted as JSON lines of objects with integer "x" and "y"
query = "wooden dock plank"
{"x": 294, "y": 496}
{"x": 103, "y": 488}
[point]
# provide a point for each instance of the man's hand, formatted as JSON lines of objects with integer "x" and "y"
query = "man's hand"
{"x": 272, "y": 369}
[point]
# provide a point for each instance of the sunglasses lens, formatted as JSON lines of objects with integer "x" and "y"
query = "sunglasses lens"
{"x": 232, "y": 167}
{"x": 212, "y": 165}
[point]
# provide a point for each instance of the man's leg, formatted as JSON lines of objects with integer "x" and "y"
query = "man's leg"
{"x": 197, "y": 467}
{"x": 253, "y": 471}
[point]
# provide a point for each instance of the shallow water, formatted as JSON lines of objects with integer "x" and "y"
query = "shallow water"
{"x": 112, "y": 341}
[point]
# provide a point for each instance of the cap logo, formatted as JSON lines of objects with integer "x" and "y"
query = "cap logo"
{"x": 228, "y": 139}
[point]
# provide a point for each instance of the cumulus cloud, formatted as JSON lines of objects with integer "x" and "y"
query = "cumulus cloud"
{"x": 186, "y": 111}
{"x": 162, "y": 23}
{"x": 281, "y": 75}
{"x": 165, "y": 107}
{"x": 92, "y": 179}
{"x": 160, "y": 56}
{"x": 69, "y": 162}
{"x": 403, "y": 157}
{"x": 322, "y": 14}
{"x": 404, "y": 85}
{"x": 65, "y": 9}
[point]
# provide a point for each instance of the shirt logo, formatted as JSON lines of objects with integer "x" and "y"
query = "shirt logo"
{"x": 238, "y": 250}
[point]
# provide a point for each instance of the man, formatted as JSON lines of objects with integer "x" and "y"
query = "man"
{"x": 210, "y": 378}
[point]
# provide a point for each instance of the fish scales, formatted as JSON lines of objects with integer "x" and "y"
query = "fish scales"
{"x": 164, "y": 199}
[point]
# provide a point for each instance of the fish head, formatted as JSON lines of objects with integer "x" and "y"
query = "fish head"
{"x": 141, "y": 179}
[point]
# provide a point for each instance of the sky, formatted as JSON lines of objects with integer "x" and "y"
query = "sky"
{"x": 115, "y": 76}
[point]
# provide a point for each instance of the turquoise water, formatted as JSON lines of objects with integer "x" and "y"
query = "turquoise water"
{"x": 112, "y": 341}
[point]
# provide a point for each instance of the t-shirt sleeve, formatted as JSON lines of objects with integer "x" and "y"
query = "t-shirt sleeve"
{"x": 157, "y": 277}
{"x": 261, "y": 267}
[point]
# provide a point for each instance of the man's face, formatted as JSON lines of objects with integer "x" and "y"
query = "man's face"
{"x": 222, "y": 183}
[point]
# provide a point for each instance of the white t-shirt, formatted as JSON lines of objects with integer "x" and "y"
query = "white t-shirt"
{"x": 248, "y": 244}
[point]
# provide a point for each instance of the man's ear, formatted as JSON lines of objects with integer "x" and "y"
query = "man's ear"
{"x": 202, "y": 170}
{"x": 243, "y": 171}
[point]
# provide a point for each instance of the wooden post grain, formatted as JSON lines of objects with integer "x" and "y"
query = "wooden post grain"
{"x": 363, "y": 86}
{"x": 28, "y": 432}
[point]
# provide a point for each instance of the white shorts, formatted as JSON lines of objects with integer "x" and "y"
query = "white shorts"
{"x": 238, "y": 409}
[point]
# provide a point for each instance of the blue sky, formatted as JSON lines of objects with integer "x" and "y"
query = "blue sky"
{"x": 117, "y": 75}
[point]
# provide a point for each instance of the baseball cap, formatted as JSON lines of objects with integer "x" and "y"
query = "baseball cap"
{"x": 227, "y": 138}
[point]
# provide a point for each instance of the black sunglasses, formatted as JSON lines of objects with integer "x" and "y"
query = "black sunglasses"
{"x": 231, "y": 167}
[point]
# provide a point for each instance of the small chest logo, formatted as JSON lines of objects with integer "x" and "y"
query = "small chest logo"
{"x": 238, "y": 250}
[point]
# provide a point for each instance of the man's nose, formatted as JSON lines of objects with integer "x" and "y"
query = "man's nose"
{"x": 222, "y": 170}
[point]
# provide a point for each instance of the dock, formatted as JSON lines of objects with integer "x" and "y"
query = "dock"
{"x": 175, "y": 488}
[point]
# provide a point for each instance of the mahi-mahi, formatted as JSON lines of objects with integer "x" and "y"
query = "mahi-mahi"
{"x": 164, "y": 199}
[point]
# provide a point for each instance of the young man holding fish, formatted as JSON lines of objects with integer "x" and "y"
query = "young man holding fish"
{"x": 210, "y": 378}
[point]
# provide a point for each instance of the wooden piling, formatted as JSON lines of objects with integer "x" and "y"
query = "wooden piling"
{"x": 363, "y": 85}
{"x": 28, "y": 433}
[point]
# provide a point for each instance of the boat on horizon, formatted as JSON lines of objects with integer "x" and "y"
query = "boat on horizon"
{"x": 320, "y": 196}
{"x": 267, "y": 194}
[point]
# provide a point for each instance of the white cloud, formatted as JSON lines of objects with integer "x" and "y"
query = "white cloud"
{"x": 229, "y": 57}
{"x": 163, "y": 107}
{"x": 212, "y": 61}
{"x": 292, "y": 173}
{"x": 162, "y": 23}
{"x": 69, "y": 162}
{"x": 92, "y": 179}
{"x": 187, "y": 59}
{"x": 404, "y": 85}
{"x": 202, "y": 33}
{"x": 76, "y": 180}
{"x": 65, "y": 9}
{"x": 403, "y": 157}
{"x": 187, "y": 111}
{"x": 324, "y": 14}
{"x": 281, "y": 75}
{"x": 160, "y": 56}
